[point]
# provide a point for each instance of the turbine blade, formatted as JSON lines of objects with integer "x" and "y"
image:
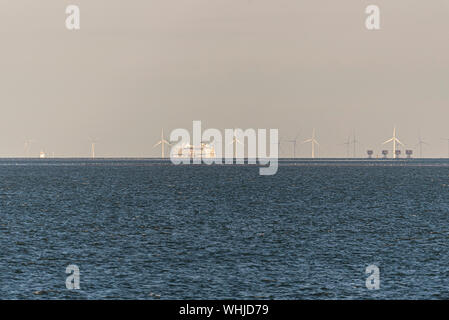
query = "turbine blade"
{"x": 388, "y": 141}
{"x": 157, "y": 144}
{"x": 397, "y": 140}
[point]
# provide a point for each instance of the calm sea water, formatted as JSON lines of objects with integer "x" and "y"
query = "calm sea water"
{"x": 147, "y": 229}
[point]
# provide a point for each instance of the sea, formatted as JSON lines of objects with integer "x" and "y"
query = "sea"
{"x": 148, "y": 229}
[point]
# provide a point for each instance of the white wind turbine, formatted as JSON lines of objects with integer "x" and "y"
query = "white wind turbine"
{"x": 420, "y": 144}
{"x": 394, "y": 140}
{"x": 313, "y": 142}
{"x": 234, "y": 142}
{"x": 93, "y": 143}
{"x": 162, "y": 142}
{"x": 27, "y": 146}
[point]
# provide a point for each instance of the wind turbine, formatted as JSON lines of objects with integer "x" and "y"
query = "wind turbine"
{"x": 354, "y": 143}
{"x": 313, "y": 142}
{"x": 294, "y": 141}
{"x": 347, "y": 144}
{"x": 234, "y": 142}
{"x": 394, "y": 140}
{"x": 162, "y": 142}
{"x": 420, "y": 143}
{"x": 93, "y": 142}
{"x": 27, "y": 146}
{"x": 279, "y": 146}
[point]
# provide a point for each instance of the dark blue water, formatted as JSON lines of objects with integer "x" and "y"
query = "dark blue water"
{"x": 148, "y": 229}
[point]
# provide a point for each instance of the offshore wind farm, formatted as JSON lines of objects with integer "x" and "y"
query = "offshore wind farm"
{"x": 287, "y": 148}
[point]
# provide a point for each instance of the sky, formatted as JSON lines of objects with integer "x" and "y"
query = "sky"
{"x": 138, "y": 66}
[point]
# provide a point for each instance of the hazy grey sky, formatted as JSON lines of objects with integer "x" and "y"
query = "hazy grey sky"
{"x": 139, "y": 65}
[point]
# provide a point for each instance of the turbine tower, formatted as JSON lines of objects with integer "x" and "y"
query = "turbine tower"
{"x": 294, "y": 142}
{"x": 420, "y": 144}
{"x": 162, "y": 142}
{"x": 354, "y": 143}
{"x": 279, "y": 146}
{"x": 93, "y": 142}
{"x": 313, "y": 142}
{"x": 394, "y": 140}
